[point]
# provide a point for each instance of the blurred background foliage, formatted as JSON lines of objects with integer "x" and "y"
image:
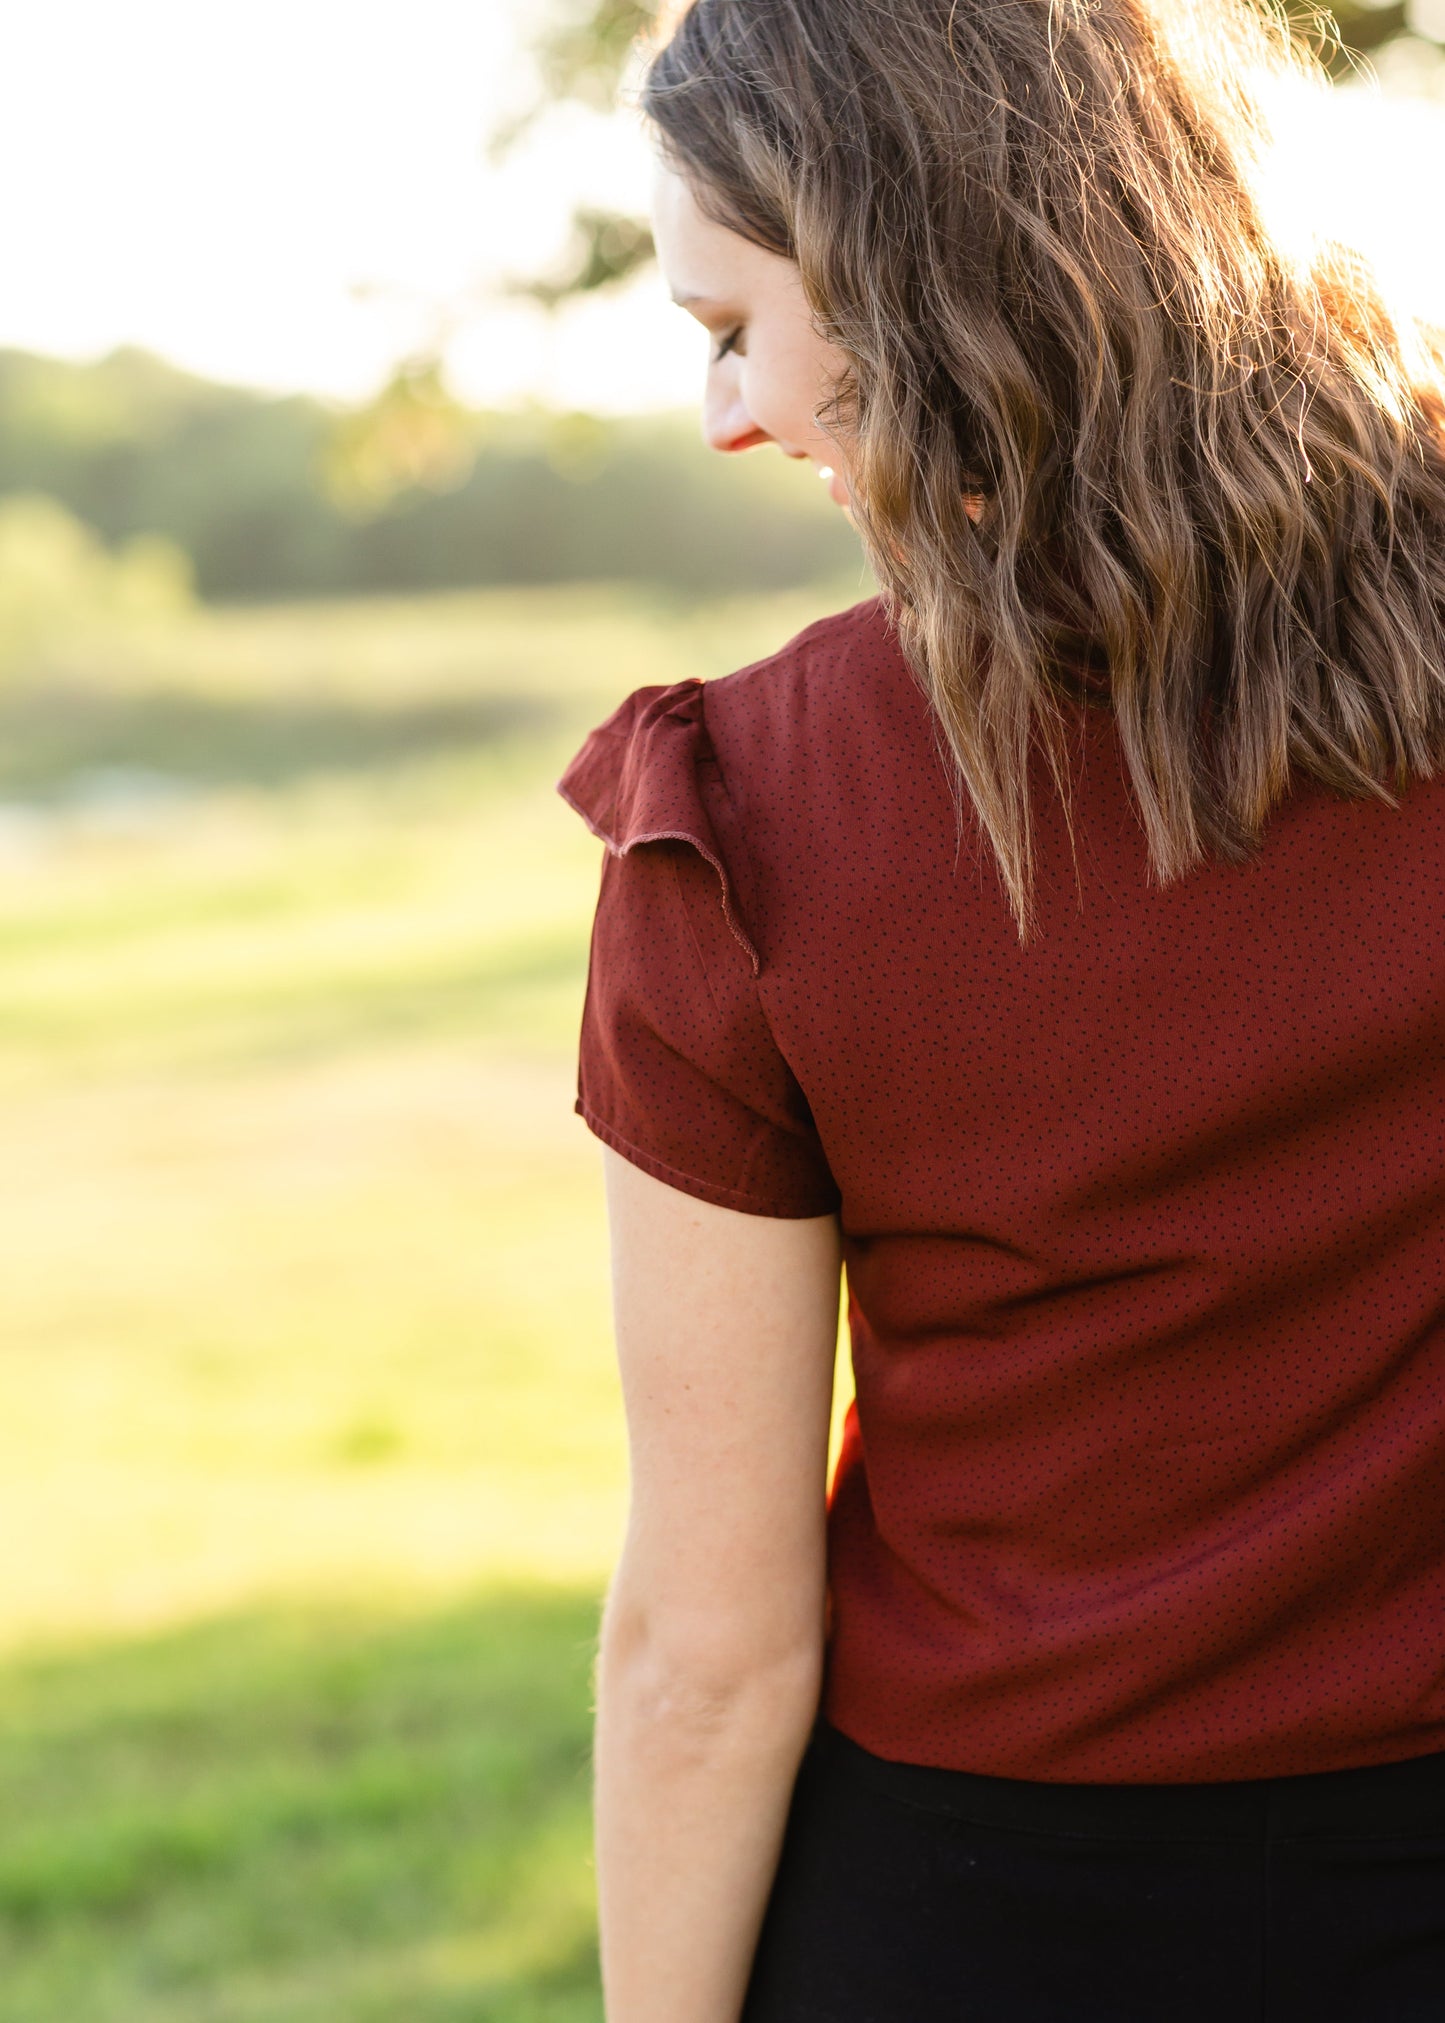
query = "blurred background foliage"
{"x": 289, "y": 498}
{"x": 310, "y": 1452}
{"x": 1402, "y": 31}
{"x": 58, "y": 577}
{"x": 311, "y": 1462}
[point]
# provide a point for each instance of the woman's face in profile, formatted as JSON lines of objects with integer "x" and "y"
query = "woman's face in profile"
{"x": 769, "y": 370}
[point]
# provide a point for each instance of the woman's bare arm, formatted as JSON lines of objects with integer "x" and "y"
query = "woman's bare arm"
{"x": 712, "y": 1639}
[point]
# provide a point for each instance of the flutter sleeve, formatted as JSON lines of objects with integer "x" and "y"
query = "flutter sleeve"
{"x": 679, "y": 1070}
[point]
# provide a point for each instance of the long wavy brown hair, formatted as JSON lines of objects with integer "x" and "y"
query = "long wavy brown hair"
{"x": 1211, "y": 471}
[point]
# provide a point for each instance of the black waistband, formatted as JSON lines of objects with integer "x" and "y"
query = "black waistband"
{"x": 1381, "y": 1802}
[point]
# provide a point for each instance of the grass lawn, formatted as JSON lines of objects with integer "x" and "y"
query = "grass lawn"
{"x": 305, "y": 1815}
{"x": 310, "y": 1453}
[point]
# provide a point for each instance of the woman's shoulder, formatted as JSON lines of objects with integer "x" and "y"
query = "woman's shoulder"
{"x": 849, "y": 657}
{"x": 638, "y": 776}
{"x": 748, "y": 765}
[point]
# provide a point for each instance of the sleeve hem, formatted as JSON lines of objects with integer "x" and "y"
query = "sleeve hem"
{"x": 702, "y": 1190}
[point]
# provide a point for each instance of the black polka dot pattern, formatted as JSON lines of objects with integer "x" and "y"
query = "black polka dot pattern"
{"x": 1144, "y": 1221}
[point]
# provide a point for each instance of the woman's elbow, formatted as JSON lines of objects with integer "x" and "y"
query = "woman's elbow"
{"x": 716, "y": 1676}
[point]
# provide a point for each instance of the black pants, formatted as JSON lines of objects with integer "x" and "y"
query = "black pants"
{"x": 910, "y": 1895}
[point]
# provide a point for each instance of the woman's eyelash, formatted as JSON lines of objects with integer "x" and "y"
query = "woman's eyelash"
{"x": 727, "y": 344}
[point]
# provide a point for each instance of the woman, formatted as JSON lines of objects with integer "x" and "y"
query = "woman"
{"x": 1058, "y": 941}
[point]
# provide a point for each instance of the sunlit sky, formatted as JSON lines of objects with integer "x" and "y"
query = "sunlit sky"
{"x": 284, "y": 193}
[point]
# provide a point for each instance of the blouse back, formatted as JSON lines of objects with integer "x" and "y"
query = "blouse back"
{"x": 1144, "y": 1221}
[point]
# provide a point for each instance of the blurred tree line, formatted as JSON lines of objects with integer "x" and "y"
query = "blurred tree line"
{"x": 282, "y": 497}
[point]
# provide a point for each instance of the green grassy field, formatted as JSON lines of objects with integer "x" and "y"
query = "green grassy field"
{"x": 310, "y": 1453}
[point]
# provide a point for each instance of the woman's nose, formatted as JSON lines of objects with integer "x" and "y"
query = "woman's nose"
{"x": 726, "y": 423}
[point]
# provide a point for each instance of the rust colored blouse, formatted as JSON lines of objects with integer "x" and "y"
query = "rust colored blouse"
{"x": 1144, "y": 1222}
